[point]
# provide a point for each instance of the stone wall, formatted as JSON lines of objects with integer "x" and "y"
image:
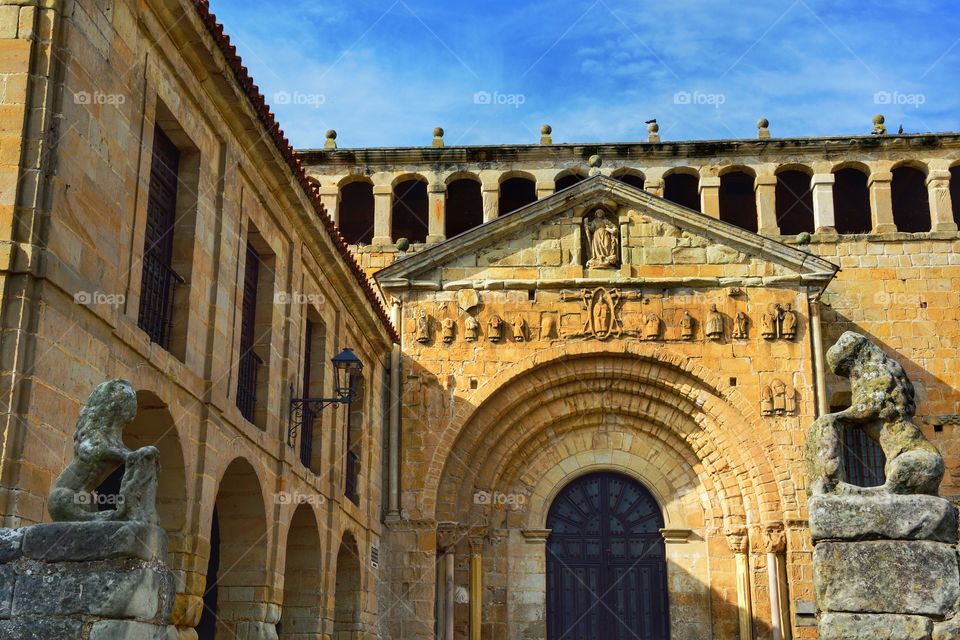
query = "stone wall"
{"x": 85, "y": 84}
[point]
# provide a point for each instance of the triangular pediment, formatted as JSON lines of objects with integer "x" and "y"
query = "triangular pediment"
{"x": 656, "y": 241}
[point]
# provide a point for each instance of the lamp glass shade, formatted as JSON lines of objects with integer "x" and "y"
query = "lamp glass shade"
{"x": 347, "y": 366}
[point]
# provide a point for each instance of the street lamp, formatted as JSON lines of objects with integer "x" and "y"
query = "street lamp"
{"x": 347, "y": 367}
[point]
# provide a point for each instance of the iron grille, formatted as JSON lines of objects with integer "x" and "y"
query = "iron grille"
{"x": 863, "y": 459}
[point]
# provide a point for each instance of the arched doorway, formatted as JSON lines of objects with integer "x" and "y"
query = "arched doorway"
{"x": 606, "y": 562}
{"x": 347, "y": 622}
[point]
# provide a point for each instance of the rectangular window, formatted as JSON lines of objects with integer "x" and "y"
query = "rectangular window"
{"x": 306, "y": 432}
{"x": 158, "y": 278}
{"x": 249, "y": 360}
{"x": 354, "y": 442}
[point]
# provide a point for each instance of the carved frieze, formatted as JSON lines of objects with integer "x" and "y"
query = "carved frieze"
{"x": 777, "y": 399}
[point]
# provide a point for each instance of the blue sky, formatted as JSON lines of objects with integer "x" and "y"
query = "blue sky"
{"x": 385, "y": 72}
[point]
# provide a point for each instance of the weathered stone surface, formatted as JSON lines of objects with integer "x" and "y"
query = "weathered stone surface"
{"x": 7, "y": 579}
{"x": 130, "y": 630}
{"x": 859, "y": 626}
{"x": 916, "y": 577}
{"x": 947, "y": 630}
{"x": 86, "y": 541}
{"x": 101, "y": 592}
{"x": 882, "y": 517}
{"x": 40, "y": 629}
{"x": 11, "y": 541}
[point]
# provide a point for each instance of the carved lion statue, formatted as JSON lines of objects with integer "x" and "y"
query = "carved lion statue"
{"x": 883, "y": 405}
{"x": 98, "y": 450}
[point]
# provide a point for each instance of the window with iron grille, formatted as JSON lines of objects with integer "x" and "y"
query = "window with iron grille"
{"x": 863, "y": 459}
{"x": 159, "y": 279}
{"x": 354, "y": 442}
{"x": 306, "y": 430}
{"x": 249, "y": 361}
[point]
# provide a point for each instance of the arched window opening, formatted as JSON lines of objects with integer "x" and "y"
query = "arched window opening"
{"x": 851, "y": 202}
{"x": 356, "y": 212}
{"x": 568, "y": 181}
{"x": 354, "y": 442}
{"x": 911, "y": 201}
{"x": 516, "y": 193}
{"x": 794, "y": 199}
{"x": 683, "y": 189}
{"x": 631, "y": 179}
{"x": 738, "y": 204}
{"x": 464, "y": 206}
{"x": 410, "y": 211}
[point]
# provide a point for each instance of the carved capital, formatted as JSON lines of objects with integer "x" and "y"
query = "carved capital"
{"x": 737, "y": 538}
{"x": 448, "y": 534}
{"x": 774, "y": 538}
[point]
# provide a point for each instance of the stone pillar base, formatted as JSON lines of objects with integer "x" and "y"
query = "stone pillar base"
{"x": 885, "y": 567}
{"x": 85, "y": 581}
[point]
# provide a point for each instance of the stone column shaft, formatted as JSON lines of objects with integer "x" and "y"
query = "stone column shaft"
{"x": 881, "y": 201}
{"x": 710, "y": 196}
{"x": 437, "y": 221}
{"x": 449, "y": 589}
{"x": 491, "y": 201}
{"x": 824, "y": 218}
{"x": 382, "y": 214}
{"x": 766, "y": 190}
{"x": 654, "y": 186}
{"x": 330, "y": 198}
{"x": 775, "y": 543}
{"x": 476, "y": 587}
{"x": 545, "y": 188}
{"x": 941, "y": 204}
{"x": 739, "y": 543}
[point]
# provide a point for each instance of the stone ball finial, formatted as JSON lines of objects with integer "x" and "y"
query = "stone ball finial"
{"x": 653, "y": 130}
{"x": 403, "y": 244}
{"x": 595, "y": 161}
{"x": 763, "y": 128}
{"x": 331, "y": 142}
{"x": 653, "y": 127}
{"x": 545, "y": 132}
{"x": 879, "y": 128}
{"x": 438, "y": 136}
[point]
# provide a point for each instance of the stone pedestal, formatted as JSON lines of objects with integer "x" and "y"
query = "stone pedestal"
{"x": 85, "y": 581}
{"x": 885, "y": 566}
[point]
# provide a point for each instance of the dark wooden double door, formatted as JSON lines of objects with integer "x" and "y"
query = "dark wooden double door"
{"x": 606, "y": 562}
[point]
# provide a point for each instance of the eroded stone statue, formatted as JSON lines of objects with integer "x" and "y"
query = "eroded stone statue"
{"x": 603, "y": 240}
{"x": 98, "y": 450}
{"x": 883, "y": 405}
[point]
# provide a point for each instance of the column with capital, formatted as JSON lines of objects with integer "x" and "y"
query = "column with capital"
{"x": 881, "y": 201}
{"x": 437, "y": 222}
{"x": 824, "y": 217}
{"x": 765, "y": 188}
{"x": 491, "y": 200}
{"x": 476, "y": 585}
{"x": 775, "y": 544}
{"x": 739, "y": 543}
{"x": 382, "y": 214}
{"x": 941, "y": 204}
{"x": 710, "y": 195}
{"x": 447, "y": 536}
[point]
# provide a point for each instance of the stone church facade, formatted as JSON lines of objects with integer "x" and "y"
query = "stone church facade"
{"x": 586, "y": 368}
{"x": 678, "y": 374}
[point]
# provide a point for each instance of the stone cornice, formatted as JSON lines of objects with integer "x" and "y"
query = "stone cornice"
{"x": 522, "y": 153}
